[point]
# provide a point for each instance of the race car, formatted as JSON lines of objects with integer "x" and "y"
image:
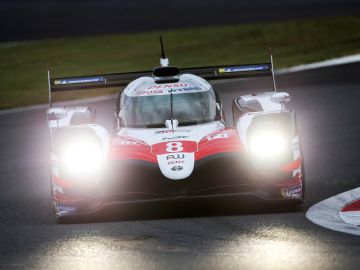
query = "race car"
{"x": 170, "y": 141}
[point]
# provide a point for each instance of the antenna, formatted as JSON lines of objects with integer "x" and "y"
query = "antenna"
{"x": 272, "y": 69}
{"x": 49, "y": 86}
{"x": 164, "y": 62}
{"x": 162, "y": 48}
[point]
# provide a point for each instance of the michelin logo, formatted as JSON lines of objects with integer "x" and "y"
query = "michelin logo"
{"x": 65, "y": 207}
{"x": 292, "y": 192}
{"x": 80, "y": 80}
{"x": 243, "y": 68}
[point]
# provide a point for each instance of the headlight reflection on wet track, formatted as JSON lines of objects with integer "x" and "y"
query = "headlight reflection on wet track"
{"x": 264, "y": 248}
{"x": 94, "y": 253}
{"x": 273, "y": 248}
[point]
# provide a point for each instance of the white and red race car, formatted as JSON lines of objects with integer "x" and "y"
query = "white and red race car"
{"x": 170, "y": 141}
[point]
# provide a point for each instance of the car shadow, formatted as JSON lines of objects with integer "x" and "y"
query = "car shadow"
{"x": 185, "y": 208}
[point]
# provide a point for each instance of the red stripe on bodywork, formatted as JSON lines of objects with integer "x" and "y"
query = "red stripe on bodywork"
{"x": 62, "y": 182}
{"x": 353, "y": 206}
{"x": 218, "y": 148}
{"x": 291, "y": 166}
{"x": 225, "y": 141}
{"x": 132, "y": 153}
{"x": 63, "y": 198}
{"x": 129, "y": 148}
{"x": 296, "y": 180}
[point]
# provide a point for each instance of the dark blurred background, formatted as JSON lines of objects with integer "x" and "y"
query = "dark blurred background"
{"x": 39, "y": 19}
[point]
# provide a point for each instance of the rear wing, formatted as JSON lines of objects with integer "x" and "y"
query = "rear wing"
{"x": 122, "y": 79}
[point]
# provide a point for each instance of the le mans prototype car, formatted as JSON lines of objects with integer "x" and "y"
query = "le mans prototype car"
{"x": 171, "y": 141}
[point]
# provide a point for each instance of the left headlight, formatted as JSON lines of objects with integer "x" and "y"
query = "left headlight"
{"x": 267, "y": 145}
{"x": 82, "y": 159}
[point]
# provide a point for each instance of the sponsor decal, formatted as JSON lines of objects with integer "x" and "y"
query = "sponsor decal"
{"x": 177, "y": 168}
{"x": 177, "y": 156}
{"x": 176, "y": 162}
{"x": 217, "y": 136}
{"x": 128, "y": 143}
{"x": 165, "y": 89}
{"x": 174, "y": 138}
{"x": 243, "y": 68}
{"x": 167, "y": 86}
{"x": 188, "y": 89}
{"x": 175, "y": 159}
{"x": 170, "y": 131}
{"x": 65, "y": 207}
{"x": 149, "y": 92}
{"x": 174, "y": 91}
{"x": 79, "y": 80}
{"x": 292, "y": 192}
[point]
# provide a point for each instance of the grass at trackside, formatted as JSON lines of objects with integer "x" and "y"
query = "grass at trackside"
{"x": 23, "y": 65}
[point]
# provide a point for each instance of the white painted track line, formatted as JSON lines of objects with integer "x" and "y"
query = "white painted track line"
{"x": 327, "y": 63}
{"x": 327, "y": 212}
{"x": 62, "y": 103}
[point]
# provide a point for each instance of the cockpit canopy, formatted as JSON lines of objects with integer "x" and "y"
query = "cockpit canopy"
{"x": 189, "y": 101}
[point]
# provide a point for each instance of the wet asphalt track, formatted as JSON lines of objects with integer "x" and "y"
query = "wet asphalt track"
{"x": 205, "y": 235}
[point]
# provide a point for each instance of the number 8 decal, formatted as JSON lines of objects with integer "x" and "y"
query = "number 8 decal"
{"x": 174, "y": 147}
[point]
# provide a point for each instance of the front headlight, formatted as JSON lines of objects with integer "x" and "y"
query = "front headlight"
{"x": 267, "y": 145}
{"x": 82, "y": 159}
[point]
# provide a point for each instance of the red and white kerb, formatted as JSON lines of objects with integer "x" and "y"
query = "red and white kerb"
{"x": 350, "y": 213}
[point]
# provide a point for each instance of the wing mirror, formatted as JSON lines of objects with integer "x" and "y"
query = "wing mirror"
{"x": 74, "y": 115}
{"x": 56, "y": 113}
{"x": 280, "y": 97}
{"x": 83, "y": 117}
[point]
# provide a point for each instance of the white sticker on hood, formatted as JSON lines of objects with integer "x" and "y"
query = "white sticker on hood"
{"x": 164, "y": 89}
{"x": 176, "y": 166}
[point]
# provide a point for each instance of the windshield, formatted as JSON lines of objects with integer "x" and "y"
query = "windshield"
{"x": 153, "y": 111}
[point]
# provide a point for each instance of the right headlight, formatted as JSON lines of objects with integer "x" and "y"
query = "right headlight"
{"x": 267, "y": 145}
